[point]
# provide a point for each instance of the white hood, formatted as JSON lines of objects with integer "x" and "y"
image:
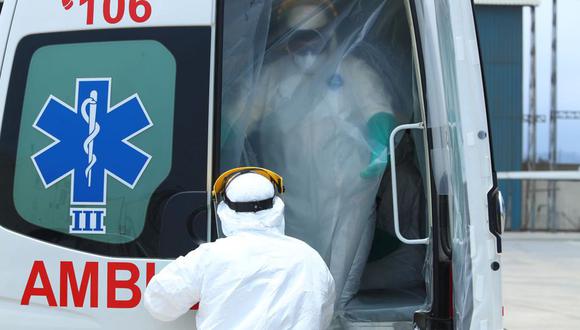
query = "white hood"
{"x": 251, "y": 187}
{"x": 271, "y": 220}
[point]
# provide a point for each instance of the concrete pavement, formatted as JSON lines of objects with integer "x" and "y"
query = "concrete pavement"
{"x": 541, "y": 281}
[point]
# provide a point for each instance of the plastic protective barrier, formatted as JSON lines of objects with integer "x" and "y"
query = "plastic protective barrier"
{"x": 312, "y": 90}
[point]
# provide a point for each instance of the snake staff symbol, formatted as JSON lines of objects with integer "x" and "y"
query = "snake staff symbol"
{"x": 92, "y": 141}
{"x": 94, "y": 129}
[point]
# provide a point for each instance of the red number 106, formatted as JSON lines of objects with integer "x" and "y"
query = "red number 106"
{"x": 114, "y": 18}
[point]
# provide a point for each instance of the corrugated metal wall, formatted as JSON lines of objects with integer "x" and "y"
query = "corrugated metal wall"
{"x": 500, "y": 37}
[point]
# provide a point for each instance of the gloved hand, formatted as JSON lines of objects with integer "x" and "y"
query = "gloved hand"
{"x": 379, "y": 128}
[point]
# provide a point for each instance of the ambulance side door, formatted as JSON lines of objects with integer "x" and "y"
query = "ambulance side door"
{"x": 462, "y": 161}
{"x": 106, "y": 114}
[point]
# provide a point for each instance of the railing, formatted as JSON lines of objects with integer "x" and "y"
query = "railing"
{"x": 538, "y": 214}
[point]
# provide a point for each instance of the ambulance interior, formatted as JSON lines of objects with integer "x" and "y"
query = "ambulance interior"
{"x": 312, "y": 90}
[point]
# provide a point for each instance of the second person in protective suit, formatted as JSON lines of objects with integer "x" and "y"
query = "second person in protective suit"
{"x": 321, "y": 118}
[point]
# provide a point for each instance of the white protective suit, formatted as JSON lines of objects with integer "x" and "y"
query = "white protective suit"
{"x": 256, "y": 278}
{"x": 313, "y": 128}
{"x": 317, "y": 142}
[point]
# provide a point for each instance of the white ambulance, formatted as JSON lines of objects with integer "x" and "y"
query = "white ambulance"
{"x": 117, "y": 115}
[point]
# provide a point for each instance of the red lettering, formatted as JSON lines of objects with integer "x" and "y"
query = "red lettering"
{"x": 38, "y": 270}
{"x": 90, "y": 10}
{"x": 147, "y": 10}
{"x": 131, "y": 284}
{"x": 67, "y": 276}
{"x": 139, "y": 10}
{"x": 107, "y": 11}
{"x": 90, "y": 277}
{"x": 150, "y": 272}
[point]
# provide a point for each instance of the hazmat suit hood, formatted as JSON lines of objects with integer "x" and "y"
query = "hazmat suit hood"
{"x": 250, "y": 187}
{"x": 310, "y": 15}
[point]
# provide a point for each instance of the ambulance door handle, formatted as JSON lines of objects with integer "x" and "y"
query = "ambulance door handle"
{"x": 394, "y": 183}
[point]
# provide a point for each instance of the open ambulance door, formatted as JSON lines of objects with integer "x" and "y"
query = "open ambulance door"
{"x": 105, "y": 162}
{"x": 467, "y": 223}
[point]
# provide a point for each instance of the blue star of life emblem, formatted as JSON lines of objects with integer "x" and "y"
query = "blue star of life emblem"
{"x": 91, "y": 143}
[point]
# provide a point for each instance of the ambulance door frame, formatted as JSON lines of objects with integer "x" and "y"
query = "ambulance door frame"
{"x": 10, "y": 9}
{"x": 214, "y": 116}
{"x": 419, "y": 73}
{"x": 494, "y": 227}
{"x": 440, "y": 314}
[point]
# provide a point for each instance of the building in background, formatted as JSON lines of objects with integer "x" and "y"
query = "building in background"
{"x": 500, "y": 30}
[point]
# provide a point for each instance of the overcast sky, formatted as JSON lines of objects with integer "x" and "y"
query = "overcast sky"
{"x": 568, "y": 74}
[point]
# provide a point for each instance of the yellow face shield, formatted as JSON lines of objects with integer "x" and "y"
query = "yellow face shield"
{"x": 220, "y": 185}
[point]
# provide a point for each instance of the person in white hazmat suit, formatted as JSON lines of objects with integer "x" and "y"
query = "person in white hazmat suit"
{"x": 256, "y": 277}
{"x": 322, "y": 118}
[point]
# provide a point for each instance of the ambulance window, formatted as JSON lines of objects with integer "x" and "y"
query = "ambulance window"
{"x": 100, "y": 132}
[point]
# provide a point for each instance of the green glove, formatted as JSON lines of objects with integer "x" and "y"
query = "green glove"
{"x": 379, "y": 128}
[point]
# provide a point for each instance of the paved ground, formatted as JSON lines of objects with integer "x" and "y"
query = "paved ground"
{"x": 541, "y": 281}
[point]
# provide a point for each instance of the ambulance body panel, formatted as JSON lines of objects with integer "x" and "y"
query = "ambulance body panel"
{"x": 462, "y": 159}
{"x": 53, "y": 287}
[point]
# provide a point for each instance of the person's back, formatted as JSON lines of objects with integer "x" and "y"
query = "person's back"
{"x": 255, "y": 278}
{"x": 266, "y": 289}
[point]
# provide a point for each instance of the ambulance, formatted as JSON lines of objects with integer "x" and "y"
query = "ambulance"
{"x": 115, "y": 119}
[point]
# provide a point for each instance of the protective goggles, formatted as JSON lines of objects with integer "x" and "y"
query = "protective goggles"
{"x": 221, "y": 184}
{"x": 305, "y": 42}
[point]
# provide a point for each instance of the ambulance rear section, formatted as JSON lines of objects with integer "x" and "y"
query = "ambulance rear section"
{"x": 117, "y": 115}
{"x": 100, "y": 102}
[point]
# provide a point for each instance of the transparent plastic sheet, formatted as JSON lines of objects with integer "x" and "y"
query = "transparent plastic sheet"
{"x": 445, "y": 125}
{"x": 478, "y": 294}
{"x": 325, "y": 129}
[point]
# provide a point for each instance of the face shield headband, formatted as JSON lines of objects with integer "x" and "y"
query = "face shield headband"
{"x": 221, "y": 184}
